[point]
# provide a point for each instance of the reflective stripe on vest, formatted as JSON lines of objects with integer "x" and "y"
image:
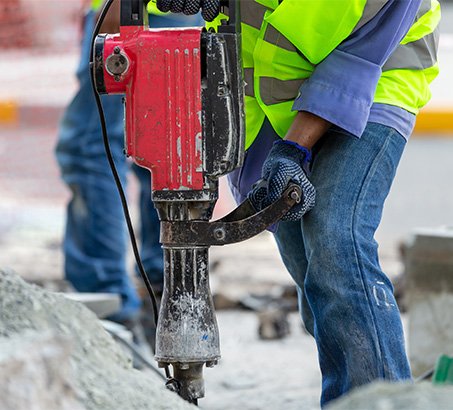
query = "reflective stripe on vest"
{"x": 371, "y": 9}
{"x": 249, "y": 84}
{"x": 272, "y": 90}
{"x": 275, "y": 91}
{"x": 416, "y": 55}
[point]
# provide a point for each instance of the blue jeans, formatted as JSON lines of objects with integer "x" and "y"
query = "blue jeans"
{"x": 96, "y": 237}
{"x": 345, "y": 299}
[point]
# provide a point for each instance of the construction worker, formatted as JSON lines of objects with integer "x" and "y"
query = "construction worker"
{"x": 332, "y": 89}
{"x": 95, "y": 238}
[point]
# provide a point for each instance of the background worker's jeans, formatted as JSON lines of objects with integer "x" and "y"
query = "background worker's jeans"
{"x": 346, "y": 300}
{"x": 96, "y": 238}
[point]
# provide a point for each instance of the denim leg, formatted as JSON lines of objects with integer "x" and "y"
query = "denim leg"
{"x": 95, "y": 238}
{"x": 292, "y": 251}
{"x": 357, "y": 324}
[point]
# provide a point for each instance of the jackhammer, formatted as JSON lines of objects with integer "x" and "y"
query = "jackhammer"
{"x": 184, "y": 121}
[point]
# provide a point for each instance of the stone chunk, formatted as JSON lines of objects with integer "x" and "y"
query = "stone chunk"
{"x": 429, "y": 274}
{"x": 102, "y": 304}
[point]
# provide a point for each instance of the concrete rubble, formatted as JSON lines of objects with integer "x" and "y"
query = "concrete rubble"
{"x": 396, "y": 396}
{"x": 56, "y": 355}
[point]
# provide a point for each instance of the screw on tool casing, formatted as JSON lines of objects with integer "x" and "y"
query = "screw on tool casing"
{"x": 219, "y": 234}
{"x": 222, "y": 90}
{"x": 116, "y": 50}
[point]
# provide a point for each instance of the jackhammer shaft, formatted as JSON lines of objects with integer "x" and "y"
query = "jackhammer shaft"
{"x": 187, "y": 329}
{"x": 187, "y": 332}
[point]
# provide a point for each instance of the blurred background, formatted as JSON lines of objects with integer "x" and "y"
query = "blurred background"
{"x": 39, "y": 53}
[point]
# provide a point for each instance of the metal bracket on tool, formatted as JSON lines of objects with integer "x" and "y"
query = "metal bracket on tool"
{"x": 241, "y": 224}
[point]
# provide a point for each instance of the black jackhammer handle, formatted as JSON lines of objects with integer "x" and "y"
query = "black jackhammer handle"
{"x": 233, "y": 25}
{"x": 241, "y": 224}
{"x": 133, "y": 13}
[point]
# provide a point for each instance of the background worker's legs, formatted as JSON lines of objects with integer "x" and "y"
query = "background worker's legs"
{"x": 95, "y": 239}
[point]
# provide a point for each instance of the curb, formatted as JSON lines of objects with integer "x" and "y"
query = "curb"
{"x": 437, "y": 120}
{"x": 13, "y": 114}
{"x": 8, "y": 112}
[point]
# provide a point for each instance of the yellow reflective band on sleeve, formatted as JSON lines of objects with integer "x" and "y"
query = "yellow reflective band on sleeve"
{"x": 408, "y": 89}
{"x": 425, "y": 24}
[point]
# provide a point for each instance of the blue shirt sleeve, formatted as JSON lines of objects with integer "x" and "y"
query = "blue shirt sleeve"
{"x": 341, "y": 88}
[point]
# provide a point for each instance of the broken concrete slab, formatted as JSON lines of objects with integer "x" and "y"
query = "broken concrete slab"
{"x": 429, "y": 260}
{"x": 396, "y": 396}
{"x": 429, "y": 275}
{"x": 102, "y": 304}
{"x": 101, "y": 374}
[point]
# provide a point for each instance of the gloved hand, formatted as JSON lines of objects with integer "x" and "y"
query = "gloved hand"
{"x": 210, "y": 9}
{"x": 282, "y": 166}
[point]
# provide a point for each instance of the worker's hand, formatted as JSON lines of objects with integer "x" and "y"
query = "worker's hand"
{"x": 283, "y": 166}
{"x": 209, "y": 8}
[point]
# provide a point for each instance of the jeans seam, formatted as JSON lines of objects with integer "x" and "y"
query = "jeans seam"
{"x": 362, "y": 192}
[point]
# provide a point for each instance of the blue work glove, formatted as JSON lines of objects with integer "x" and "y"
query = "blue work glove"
{"x": 283, "y": 166}
{"x": 210, "y": 9}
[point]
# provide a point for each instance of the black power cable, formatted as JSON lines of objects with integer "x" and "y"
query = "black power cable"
{"x": 116, "y": 177}
{"x": 135, "y": 351}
